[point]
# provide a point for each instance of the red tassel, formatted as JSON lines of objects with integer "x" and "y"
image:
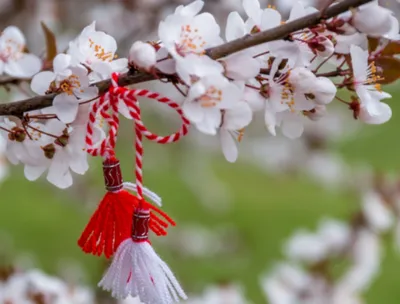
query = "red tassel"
{"x": 112, "y": 221}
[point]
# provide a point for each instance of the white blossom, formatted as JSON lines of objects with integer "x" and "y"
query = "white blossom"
{"x": 376, "y": 212}
{"x": 232, "y": 294}
{"x": 373, "y": 20}
{"x": 372, "y": 110}
{"x": 23, "y": 286}
{"x": 61, "y": 156}
{"x": 71, "y": 82}
{"x": 307, "y": 247}
{"x": 97, "y": 51}
{"x": 14, "y": 61}
{"x": 187, "y": 32}
{"x": 366, "y": 259}
{"x": 233, "y": 122}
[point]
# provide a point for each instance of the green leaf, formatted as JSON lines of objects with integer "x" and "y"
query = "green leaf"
{"x": 51, "y": 45}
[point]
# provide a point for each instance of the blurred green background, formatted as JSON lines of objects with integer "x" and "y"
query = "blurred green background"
{"x": 37, "y": 220}
{"x": 266, "y": 209}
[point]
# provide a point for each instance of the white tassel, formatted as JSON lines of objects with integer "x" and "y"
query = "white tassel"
{"x": 138, "y": 271}
{"x": 150, "y": 194}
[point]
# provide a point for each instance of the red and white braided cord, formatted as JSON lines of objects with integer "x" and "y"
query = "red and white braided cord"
{"x": 107, "y": 145}
{"x": 109, "y": 101}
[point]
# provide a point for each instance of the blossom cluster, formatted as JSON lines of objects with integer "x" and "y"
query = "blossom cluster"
{"x": 34, "y": 286}
{"x": 289, "y": 81}
{"x": 309, "y": 276}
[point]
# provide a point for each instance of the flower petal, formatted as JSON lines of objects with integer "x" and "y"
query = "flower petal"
{"x": 270, "y": 18}
{"x": 191, "y": 9}
{"x": 228, "y": 145}
{"x": 238, "y": 117}
{"x": 119, "y": 65}
{"x": 66, "y": 107}
{"x": 193, "y": 111}
{"x": 252, "y": 9}
{"x": 32, "y": 173}
{"x": 383, "y": 114}
{"x": 210, "y": 122}
{"x": 107, "y": 42}
{"x": 254, "y": 99}
{"x": 59, "y": 174}
{"x": 79, "y": 164}
{"x": 41, "y": 82}
{"x": 102, "y": 69}
{"x": 208, "y": 29}
{"x": 166, "y": 66}
{"x": 14, "y": 35}
{"x": 241, "y": 66}
{"x": 292, "y": 125}
{"x": 359, "y": 61}
{"x": 235, "y": 27}
{"x": 87, "y": 93}
{"x": 26, "y": 66}
{"x": 82, "y": 73}
{"x": 61, "y": 62}
{"x": 270, "y": 119}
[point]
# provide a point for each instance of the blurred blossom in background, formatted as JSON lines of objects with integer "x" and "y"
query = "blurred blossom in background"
{"x": 293, "y": 221}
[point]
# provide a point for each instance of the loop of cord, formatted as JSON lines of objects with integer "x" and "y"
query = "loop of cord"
{"x": 107, "y": 107}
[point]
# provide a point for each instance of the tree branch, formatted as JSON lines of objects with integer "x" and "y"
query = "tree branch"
{"x": 6, "y": 80}
{"x": 280, "y": 32}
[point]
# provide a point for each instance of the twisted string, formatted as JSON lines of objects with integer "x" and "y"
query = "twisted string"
{"x": 109, "y": 103}
{"x": 129, "y": 97}
{"x": 139, "y": 163}
{"x": 107, "y": 146}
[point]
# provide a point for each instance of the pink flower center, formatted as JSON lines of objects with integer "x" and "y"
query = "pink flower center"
{"x": 100, "y": 52}
{"x": 210, "y": 98}
{"x": 69, "y": 84}
{"x": 190, "y": 41}
{"x": 11, "y": 51}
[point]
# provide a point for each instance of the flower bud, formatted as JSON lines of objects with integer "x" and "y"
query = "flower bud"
{"x": 142, "y": 55}
{"x": 17, "y": 134}
{"x": 372, "y": 19}
{"x": 49, "y": 151}
{"x": 63, "y": 139}
{"x": 324, "y": 91}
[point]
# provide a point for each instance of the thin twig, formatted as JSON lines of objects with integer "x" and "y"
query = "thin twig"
{"x": 4, "y": 129}
{"x": 341, "y": 100}
{"x": 322, "y": 63}
{"x": 280, "y": 32}
{"x": 334, "y": 73}
{"x": 179, "y": 89}
{"x": 90, "y": 100}
{"x": 40, "y": 131}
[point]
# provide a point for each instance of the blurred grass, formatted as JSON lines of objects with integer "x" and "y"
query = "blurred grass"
{"x": 266, "y": 210}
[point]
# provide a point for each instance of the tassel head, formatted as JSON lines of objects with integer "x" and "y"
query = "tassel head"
{"x": 111, "y": 222}
{"x": 140, "y": 225}
{"x": 112, "y": 175}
